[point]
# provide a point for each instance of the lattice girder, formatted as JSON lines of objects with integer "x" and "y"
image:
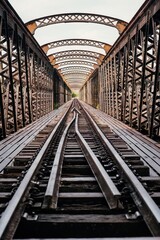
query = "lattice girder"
{"x": 78, "y": 52}
{"x": 129, "y": 77}
{"x": 86, "y": 63}
{"x": 73, "y": 57}
{"x": 70, "y": 42}
{"x": 21, "y": 78}
{"x": 76, "y": 17}
{"x": 75, "y": 72}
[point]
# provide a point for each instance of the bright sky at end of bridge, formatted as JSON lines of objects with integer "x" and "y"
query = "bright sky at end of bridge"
{"x": 28, "y": 10}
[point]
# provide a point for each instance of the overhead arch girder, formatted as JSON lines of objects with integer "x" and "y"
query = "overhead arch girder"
{"x": 76, "y": 68}
{"x": 67, "y": 74}
{"x": 76, "y": 17}
{"x": 57, "y": 60}
{"x": 71, "y": 42}
{"x": 86, "y": 63}
{"x": 77, "y": 52}
{"x": 77, "y": 84}
{"x": 75, "y": 77}
{"x": 75, "y": 81}
{"x": 75, "y": 72}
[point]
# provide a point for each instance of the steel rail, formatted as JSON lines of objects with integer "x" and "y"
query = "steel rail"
{"x": 110, "y": 191}
{"x": 10, "y": 210}
{"x": 148, "y": 153}
{"x": 10, "y": 153}
{"x": 146, "y": 205}
{"x": 51, "y": 194}
{"x": 5, "y": 143}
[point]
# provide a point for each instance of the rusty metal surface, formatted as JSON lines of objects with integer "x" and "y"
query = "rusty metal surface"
{"x": 128, "y": 82}
{"x": 100, "y": 181}
{"x": 76, "y": 17}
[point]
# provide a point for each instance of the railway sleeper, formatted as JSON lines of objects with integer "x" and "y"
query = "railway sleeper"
{"x": 80, "y": 226}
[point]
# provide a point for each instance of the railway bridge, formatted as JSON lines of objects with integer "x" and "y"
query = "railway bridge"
{"x": 80, "y": 129}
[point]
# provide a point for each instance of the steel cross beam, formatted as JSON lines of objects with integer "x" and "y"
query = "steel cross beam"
{"x": 86, "y": 63}
{"x": 74, "y": 77}
{"x": 74, "y": 72}
{"x": 77, "y": 52}
{"x": 83, "y": 42}
{"x": 57, "y": 60}
{"x": 75, "y": 68}
{"x": 76, "y": 17}
{"x": 67, "y": 75}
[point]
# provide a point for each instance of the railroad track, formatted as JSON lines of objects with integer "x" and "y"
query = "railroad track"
{"x": 76, "y": 179}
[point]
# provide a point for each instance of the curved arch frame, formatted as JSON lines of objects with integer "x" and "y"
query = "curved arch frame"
{"x": 57, "y": 60}
{"x": 76, "y": 74}
{"x": 87, "y": 69}
{"x": 86, "y": 63}
{"x": 77, "y": 41}
{"x": 76, "y": 17}
{"x": 77, "y": 52}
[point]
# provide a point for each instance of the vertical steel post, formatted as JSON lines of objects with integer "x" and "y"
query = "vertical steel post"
{"x": 125, "y": 77}
{"x": 1, "y": 96}
{"x": 2, "y": 112}
{"x": 134, "y": 75}
{"x": 156, "y": 82}
{"x": 10, "y": 71}
{"x": 20, "y": 75}
{"x": 143, "y": 70}
{"x": 27, "y": 79}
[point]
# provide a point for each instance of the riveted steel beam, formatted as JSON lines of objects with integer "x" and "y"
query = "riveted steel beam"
{"x": 76, "y": 68}
{"x": 77, "y": 52}
{"x": 26, "y": 76}
{"x": 57, "y": 60}
{"x": 84, "y": 63}
{"x": 76, "y": 17}
{"x": 75, "y": 72}
{"x": 128, "y": 78}
{"x": 70, "y": 42}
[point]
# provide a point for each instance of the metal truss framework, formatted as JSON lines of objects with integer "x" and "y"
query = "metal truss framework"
{"x": 74, "y": 42}
{"x": 26, "y": 76}
{"x": 76, "y": 17}
{"x": 73, "y": 57}
{"x": 76, "y": 56}
{"x": 75, "y": 72}
{"x": 75, "y": 68}
{"x": 68, "y": 75}
{"x": 77, "y": 52}
{"x": 75, "y": 78}
{"x": 129, "y": 78}
{"x": 63, "y": 70}
{"x": 78, "y": 63}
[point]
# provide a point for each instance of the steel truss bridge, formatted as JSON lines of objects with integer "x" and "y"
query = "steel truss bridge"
{"x": 126, "y": 74}
{"x": 88, "y": 167}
